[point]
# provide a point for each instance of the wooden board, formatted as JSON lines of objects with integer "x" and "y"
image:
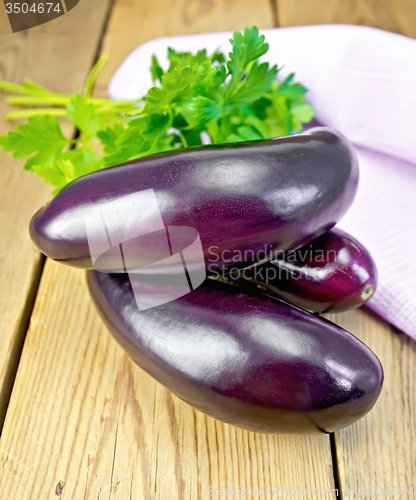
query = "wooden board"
{"x": 380, "y": 449}
{"x": 83, "y": 418}
{"x": 84, "y": 422}
{"x": 57, "y": 54}
{"x": 134, "y": 22}
{"x": 398, "y": 16}
{"x": 82, "y": 414}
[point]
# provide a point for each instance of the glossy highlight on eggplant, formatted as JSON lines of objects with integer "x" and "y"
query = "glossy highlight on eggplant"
{"x": 252, "y": 361}
{"x": 243, "y": 197}
{"x": 332, "y": 273}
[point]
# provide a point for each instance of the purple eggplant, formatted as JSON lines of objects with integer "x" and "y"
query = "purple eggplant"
{"x": 332, "y": 273}
{"x": 252, "y": 361}
{"x": 244, "y": 200}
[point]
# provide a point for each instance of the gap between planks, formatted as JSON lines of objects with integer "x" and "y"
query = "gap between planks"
{"x": 12, "y": 363}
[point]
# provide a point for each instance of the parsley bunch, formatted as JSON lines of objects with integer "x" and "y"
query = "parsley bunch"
{"x": 232, "y": 100}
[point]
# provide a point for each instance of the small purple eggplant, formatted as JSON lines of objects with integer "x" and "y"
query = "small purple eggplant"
{"x": 332, "y": 273}
{"x": 239, "y": 198}
{"x": 252, "y": 361}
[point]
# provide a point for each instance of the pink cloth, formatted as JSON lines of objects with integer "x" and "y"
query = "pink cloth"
{"x": 362, "y": 82}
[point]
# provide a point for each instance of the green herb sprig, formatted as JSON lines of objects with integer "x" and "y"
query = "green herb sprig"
{"x": 232, "y": 100}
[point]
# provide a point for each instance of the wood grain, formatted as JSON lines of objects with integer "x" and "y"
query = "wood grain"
{"x": 83, "y": 414}
{"x": 134, "y": 22}
{"x": 57, "y": 54}
{"x": 398, "y": 16}
{"x": 380, "y": 449}
{"x": 83, "y": 420}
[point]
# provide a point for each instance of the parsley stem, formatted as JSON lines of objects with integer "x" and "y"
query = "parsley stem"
{"x": 184, "y": 141}
{"x": 14, "y": 87}
{"x": 60, "y": 100}
{"x": 26, "y": 113}
{"x": 36, "y": 87}
{"x": 119, "y": 106}
{"x": 93, "y": 75}
{"x": 230, "y": 100}
{"x": 53, "y": 100}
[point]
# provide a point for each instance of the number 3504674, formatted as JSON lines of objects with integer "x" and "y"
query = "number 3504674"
{"x": 40, "y": 8}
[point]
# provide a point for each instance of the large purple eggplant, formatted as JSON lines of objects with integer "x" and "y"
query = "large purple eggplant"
{"x": 332, "y": 273}
{"x": 244, "y": 200}
{"x": 251, "y": 361}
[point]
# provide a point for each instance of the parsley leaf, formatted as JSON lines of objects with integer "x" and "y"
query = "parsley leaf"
{"x": 156, "y": 69}
{"x": 199, "y": 95}
{"x": 247, "y": 47}
{"x": 51, "y": 174}
{"x": 259, "y": 81}
{"x": 41, "y": 135}
{"x": 84, "y": 160}
{"x": 84, "y": 115}
{"x": 68, "y": 166}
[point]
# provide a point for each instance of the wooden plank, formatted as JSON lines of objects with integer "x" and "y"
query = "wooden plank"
{"x": 84, "y": 418}
{"x": 380, "y": 449}
{"x": 82, "y": 414}
{"x": 392, "y": 15}
{"x": 57, "y": 54}
{"x": 134, "y": 22}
